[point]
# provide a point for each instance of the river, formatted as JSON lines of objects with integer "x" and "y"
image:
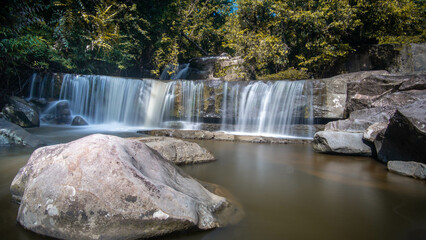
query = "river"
{"x": 286, "y": 191}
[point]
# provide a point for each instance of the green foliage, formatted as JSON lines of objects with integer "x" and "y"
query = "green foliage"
{"x": 288, "y": 74}
{"x": 127, "y": 37}
{"x": 251, "y": 32}
{"x": 188, "y": 26}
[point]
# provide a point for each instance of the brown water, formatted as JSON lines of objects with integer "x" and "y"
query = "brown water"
{"x": 287, "y": 192}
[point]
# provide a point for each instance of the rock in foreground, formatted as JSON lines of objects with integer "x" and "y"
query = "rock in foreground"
{"x": 178, "y": 151}
{"x": 106, "y": 187}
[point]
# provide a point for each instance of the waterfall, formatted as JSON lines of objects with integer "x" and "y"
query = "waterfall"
{"x": 254, "y": 107}
{"x": 184, "y": 100}
{"x": 42, "y": 86}
{"x": 271, "y": 108}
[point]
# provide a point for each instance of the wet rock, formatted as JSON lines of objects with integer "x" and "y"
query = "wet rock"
{"x": 206, "y": 135}
{"x": 340, "y": 143}
{"x": 411, "y": 169}
{"x": 106, "y": 187}
{"x": 405, "y": 137}
{"x": 221, "y": 136}
{"x": 19, "y": 112}
{"x": 178, "y": 151}
{"x": 184, "y": 134}
{"x": 79, "y": 121}
{"x": 12, "y": 134}
{"x": 59, "y": 113}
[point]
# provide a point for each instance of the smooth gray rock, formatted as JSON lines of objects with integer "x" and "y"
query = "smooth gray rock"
{"x": 12, "y": 134}
{"x": 178, "y": 151}
{"x": 411, "y": 169}
{"x": 21, "y": 113}
{"x": 405, "y": 136}
{"x": 106, "y": 187}
{"x": 340, "y": 143}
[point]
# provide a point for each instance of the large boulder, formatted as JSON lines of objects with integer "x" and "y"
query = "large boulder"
{"x": 405, "y": 136}
{"x": 19, "y": 112}
{"x": 12, "y": 134}
{"x": 349, "y": 143}
{"x": 106, "y": 187}
{"x": 178, "y": 151}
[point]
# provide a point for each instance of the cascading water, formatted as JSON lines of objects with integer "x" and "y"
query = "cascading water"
{"x": 261, "y": 108}
{"x": 272, "y": 108}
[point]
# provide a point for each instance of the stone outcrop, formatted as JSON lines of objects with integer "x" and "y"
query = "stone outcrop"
{"x": 384, "y": 90}
{"x": 389, "y": 111}
{"x": 178, "y": 151}
{"x": 221, "y": 67}
{"x": 330, "y": 94}
{"x": 12, "y": 134}
{"x": 106, "y": 187}
{"x": 20, "y": 112}
{"x": 353, "y": 135}
{"x": 411, "y": 169}
{"x": 405, "y": 137}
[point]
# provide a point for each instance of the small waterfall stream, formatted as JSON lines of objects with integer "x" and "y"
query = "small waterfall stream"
{"x": 255, "y": 107}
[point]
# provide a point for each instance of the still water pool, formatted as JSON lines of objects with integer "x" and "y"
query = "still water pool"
{"x": 287, "y": 192}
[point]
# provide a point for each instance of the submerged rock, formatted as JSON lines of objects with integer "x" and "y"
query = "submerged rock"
{"x": 411, "y": 169}
{"x": 178, "y": 151}
{"x": 340, "y": 142}
{"x": 21, "y": 113}
{"x": 12, "y": 134}
{"x": 106, "y": 187}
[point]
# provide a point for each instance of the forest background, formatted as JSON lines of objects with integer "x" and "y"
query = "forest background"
{"x": 140, "y": 38}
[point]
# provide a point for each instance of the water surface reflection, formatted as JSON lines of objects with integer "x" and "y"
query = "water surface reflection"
{"x": 287, "y": 192}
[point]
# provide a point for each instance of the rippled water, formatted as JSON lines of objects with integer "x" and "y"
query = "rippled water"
{"x": 287, "y": 192}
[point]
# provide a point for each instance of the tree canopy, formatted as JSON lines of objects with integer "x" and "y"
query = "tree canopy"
{"x": 135, "y": 38}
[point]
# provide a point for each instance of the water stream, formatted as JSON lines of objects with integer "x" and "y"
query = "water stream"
{"x": 256, "y": 107}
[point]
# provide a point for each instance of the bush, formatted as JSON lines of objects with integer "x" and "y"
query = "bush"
{"x": 289, "y": 74}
